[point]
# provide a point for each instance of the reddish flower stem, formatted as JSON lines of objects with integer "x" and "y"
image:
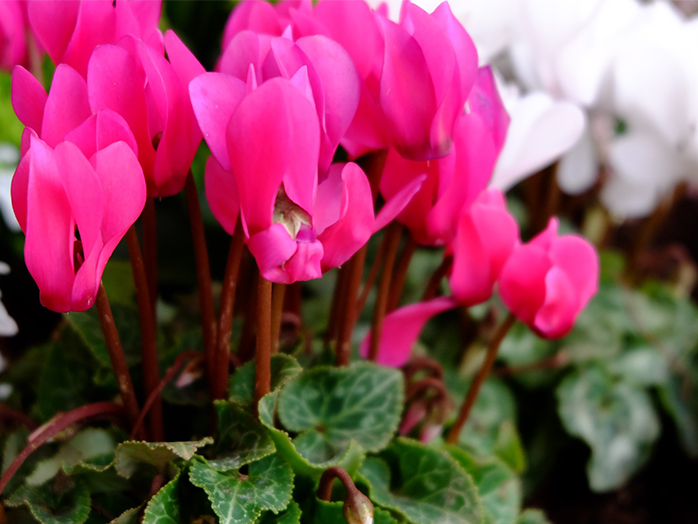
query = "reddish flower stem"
{"x": 361, "y": 303}
{"x": 479, "y": 379}
{"x": 400, "y": 274}
{"x": 262, "y": 382}
{"x": 150, "y": 250}
{"x": 7, "y": 413}
{"x": 155, "y": 394}
{"x": 225, "y": 319}
{"x": 203, "y": 273}
{"x": 337, "y": 305}
{"x": 108, "y": 410}
{"x": 149, "y": 350}
{"x": 118, "y": 361}
{"x": 277, "y": 309}
{"x": 392, "y": 240}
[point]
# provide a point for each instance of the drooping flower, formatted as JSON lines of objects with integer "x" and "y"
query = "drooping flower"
{"x": 70, "y": 30}
{"x": 486, "y": 236}
{"x": 548, "y": 281}
{"x": 455, "y": 181}
{"x": 74, "y": 211}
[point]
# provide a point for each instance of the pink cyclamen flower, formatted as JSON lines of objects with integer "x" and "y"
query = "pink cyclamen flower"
{"x": 59, "y": 193}
{"x": 13, "y": 27}
{"x": 151, "y": 94}
{"x": 70, "y": 30}
{"x": 415, "y": 76}
{"x": 486, "y": 236}
{"x": 454, "y": 181}
{"x": 548, "y": 281}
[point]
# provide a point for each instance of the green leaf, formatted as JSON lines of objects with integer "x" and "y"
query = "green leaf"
{"x": 163, "y": 508}
{"x": 679, "y": 399}
{"x": 240, "y": 499}
{"x": 430, "y": 487}
{"x": 498, "y": 486}
{"x": 491, "y": 427}
{"x": 87, "y": 444}
{"x": 522, "y": 347}
{"x": 642, "y": 365}
{"x": 118, "y": 283}
{"x": 291, "y": 515}
{"x": 130, "y": 516}
{"x": 241, "y": 437}
{"x": 616, "y": 419}
{"x": 283, "y": 368}
{"x": 131, "y": 455}
{"x": 330, "y": 407}
{"x": 50, "y": 507}
{"x": 533, "y": 516}
{"x": 350, "y": 460}
{"x": 86, "y": 324}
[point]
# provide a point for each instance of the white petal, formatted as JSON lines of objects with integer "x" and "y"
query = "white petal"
{"x": 541, "y": 130}
{"x": 578, "y": 168}
{"x": 8, "y": 326}
{"x": 6, "y": 200}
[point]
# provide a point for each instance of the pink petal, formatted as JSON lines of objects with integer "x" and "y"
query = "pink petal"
{"x": 19, "y": 190}
{"x": 522, "y": 281}
{"x": 53, "y": 24}
{"x": 354, "y": 226}
{"x": 272, "y": 136}
{"x": 398, "y": 202}
{"x": 115, "y": 81}
{"x": 48, "y": 250}
{"x": 222, "y": 194}
{"x": 28, "y": 98}
{"x": 96, "y": 24}
{"x": 184, "y": 63}
{"x": 331, "y": 201}
{"x": 405, "y": 80}
{"x": 556, "y": 317}
{"x": 577, "y": 258}
{"x": 255, "y": 15}
{"x": 272, "y": 248}
{"x": 340, "y": 85}
{"x": 84, "y": 193}
{"x": 244, "y": 49}
{"x": 303, "y": 265}
{"x": 215, "y": 97}
{"x": 401, "y": 329}
{"x": 67, "y": 105}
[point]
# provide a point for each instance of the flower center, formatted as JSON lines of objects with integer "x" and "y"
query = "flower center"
{"x": 289, "y": 214}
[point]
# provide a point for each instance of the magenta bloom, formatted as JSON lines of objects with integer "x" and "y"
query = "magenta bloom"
{"x": 548, "y": 281}
{"x": 13, "y": 27}
{"x": 59, "y": 194}
{"x": 151, "y": 94}
{"x": 486, "y": 236}
{"x": 454, "y": 181}
{"x": 70, "y": 30}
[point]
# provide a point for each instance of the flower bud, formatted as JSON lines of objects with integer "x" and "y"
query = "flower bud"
{"x": 358, "y": 509}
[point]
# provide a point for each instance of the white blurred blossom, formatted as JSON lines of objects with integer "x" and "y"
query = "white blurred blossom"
{"x": 8, "y": 327}
{"x": 9, "y": 157}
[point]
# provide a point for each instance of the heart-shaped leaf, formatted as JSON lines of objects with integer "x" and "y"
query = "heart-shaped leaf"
{"x": 132, "y": 455}
{"x": 163, "y": 508}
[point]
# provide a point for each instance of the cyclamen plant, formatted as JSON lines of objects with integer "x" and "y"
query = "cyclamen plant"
{"x": 327, "y": 124}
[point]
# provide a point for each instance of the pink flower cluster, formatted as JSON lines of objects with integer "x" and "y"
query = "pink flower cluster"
{"x": 545, "y": 282}
{"x": 116, "y": 125}
{"x": 295, "y": 81}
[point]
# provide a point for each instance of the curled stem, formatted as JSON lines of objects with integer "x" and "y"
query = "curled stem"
{"x": 225, "y": 319}
{"x": 149, "y": 351}
{"x": 262, "y": 382}
{"x": 492, "y": 349}
{"x": 109, "y": 410}
{"x": 357, "y": 509}
{"x": 118, "y": 361}
{"x": 203, "y": 273}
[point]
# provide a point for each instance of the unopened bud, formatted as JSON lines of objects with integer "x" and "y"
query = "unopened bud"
{"x": 358, "y": 509}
